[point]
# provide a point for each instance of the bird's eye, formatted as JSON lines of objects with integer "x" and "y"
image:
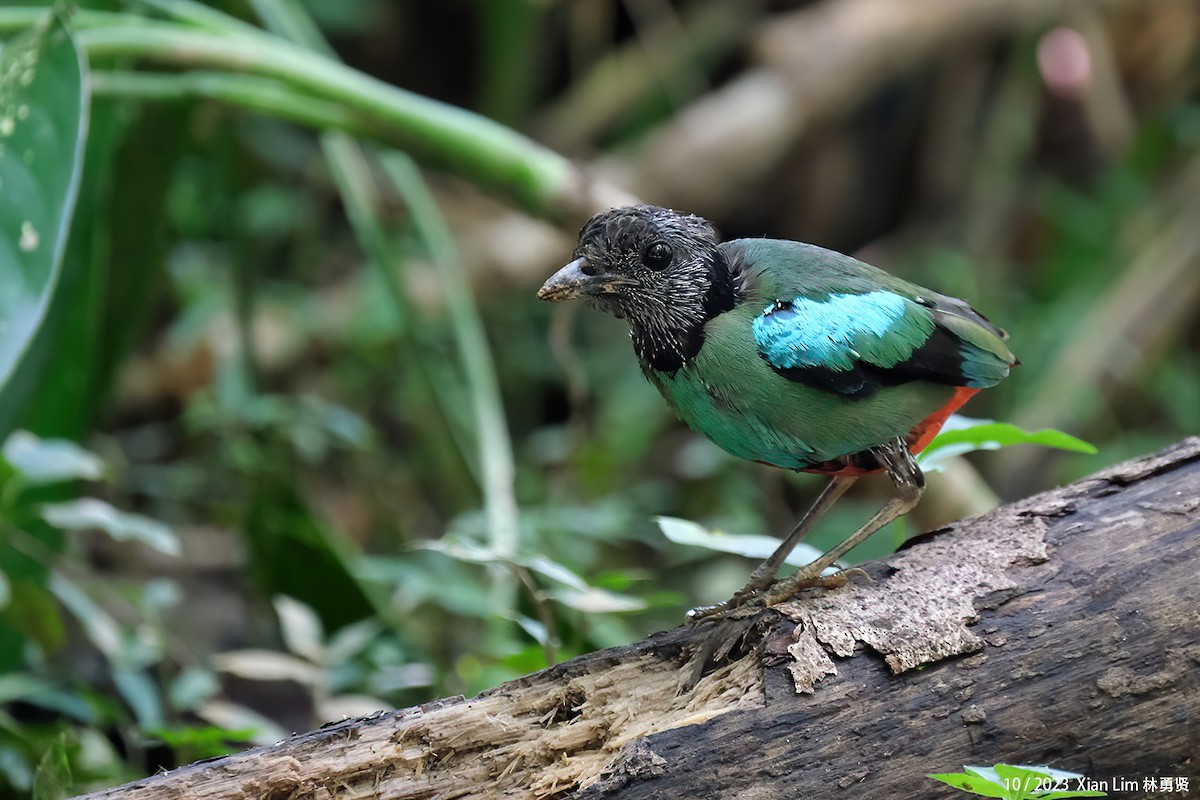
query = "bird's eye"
{"x": 657, "y": 256}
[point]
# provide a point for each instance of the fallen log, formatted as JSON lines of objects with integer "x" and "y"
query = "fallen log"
{"x": 1063, "y": 629}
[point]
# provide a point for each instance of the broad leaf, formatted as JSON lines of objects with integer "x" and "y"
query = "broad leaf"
{"x": 686, "y": 532}
{"x": 88, "y": 512}
{"x": 351, "y": 640}
{"x": 45, "y": 694}
{"x": 268, "y": 665}
{"x": 208, "y": 741}
{"x": 965, "y": 435}
{"x": 192, "y": 687}
{"x": 598, "y": 601}
{"x": 463, "y": 549}
{"x": 301, "y": 628}
{"x": 40, "y": 461}
{"x": 1015, "y": 781}
{"x": 249, "y": 724}
{"x": 112, "y": 267}
{"x": 43, "y": 121}
{"x": 141, "y": 694}
{"x": 100, "y": 626}
{"x": 555, "y": 572}
{"x": 536, "y": 630}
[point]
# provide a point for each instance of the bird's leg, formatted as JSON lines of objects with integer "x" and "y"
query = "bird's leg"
{"x": 764, "y": 575}
{"x": 909, "y": 483}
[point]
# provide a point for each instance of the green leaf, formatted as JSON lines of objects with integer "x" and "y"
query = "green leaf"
{"x": 351, "y": 640}
{"x": 42, "y": 693}
{"x": 40, "y": 461}
{"x": 88, "y": 512}
{"x": 249, "y": 724}
{"x": 1016, "y": 781}
{"x": 536, "y": 630}
{"x": 43, "y": 122}
{"x": 598, "y": 601}
{"x": 52, "y": 781}
{"x": 111, "y": 268}
{"x": 965, "y": 435}
{"x": 142, "y": 695}
{"x": 5, "y": 591}
{"x": 554, "y": 571}
{"x": 301, "y": 628}
{"x": 33, "y": 613}
{"x": 686, "y": 532}
{"x": 19, "y": 685}
{"x": 296, "y": 553}
{"x": 204, "y": 741}
{"x": 1036, "y": 782}
{"x": 970, "y": 783}
{"x": 578, "y": 594}
{"x": 101, "y": 628}
{"x": 460, "y": 548}
{"x": 269, "y": 665}
{"x": 15, "y": 768}
{"x": 192, "y": 687}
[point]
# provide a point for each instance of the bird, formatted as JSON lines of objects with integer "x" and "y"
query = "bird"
{"x": 786, "y": 354}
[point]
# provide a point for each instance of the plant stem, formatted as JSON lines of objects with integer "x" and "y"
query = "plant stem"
{"x": 260, "y": 95}
{"x": 198, "y": 15}
{"x": 15, "y": 20}
{"x": 442, "y": 135}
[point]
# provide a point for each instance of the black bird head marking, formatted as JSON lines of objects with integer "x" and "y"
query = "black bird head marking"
{"x": 658, "y": 269}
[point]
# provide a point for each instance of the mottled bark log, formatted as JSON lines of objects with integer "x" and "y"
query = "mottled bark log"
{"x": 1063, "y": 629}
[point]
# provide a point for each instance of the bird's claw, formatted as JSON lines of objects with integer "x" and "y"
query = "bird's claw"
{"x": 747, "y": 598}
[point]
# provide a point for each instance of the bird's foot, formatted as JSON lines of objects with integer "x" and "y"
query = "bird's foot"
{"x": 752, "y": 597}
{"x": 789, "y": 587}
{"x": 742, "y": 603}
{"x": 748, "y": 597}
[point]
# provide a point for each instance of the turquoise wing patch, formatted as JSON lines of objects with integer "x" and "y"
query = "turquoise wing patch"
{"x": 841, "y": 331}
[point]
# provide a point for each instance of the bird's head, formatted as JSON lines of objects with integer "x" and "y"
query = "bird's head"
{"x": 649, "y": 265}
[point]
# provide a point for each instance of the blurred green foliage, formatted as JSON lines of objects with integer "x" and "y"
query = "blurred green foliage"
{"x": 279, "y": 345}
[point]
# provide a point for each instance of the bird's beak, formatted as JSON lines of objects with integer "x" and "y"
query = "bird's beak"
{"x": 571, "y": 282}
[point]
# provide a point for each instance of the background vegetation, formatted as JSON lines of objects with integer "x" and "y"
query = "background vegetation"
{"x": 332, "y": 456}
